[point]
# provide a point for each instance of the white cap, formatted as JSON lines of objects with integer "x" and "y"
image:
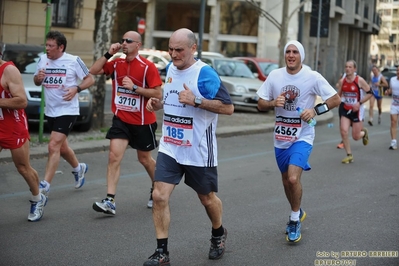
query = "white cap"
{"x": 299, "y": 46}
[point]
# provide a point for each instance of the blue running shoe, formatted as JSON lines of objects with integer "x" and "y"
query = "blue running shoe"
{"x": 44, "y": 188}
{"x": 159, "y": 258}
{"x": 294, "y": 231}
{"x": 37, "y": 209}
{"x": 302, "y": 216}
{"x": 80, "y": 176}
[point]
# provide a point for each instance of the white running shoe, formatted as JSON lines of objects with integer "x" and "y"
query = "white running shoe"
{"x": 150, "y": 202}
{"x": 106, "y": 206}
{"x": 37, "y": 209}
{"x": 44, "y": 188}
{"x": 80, "y": 176}
{"x": 393, "y": 146}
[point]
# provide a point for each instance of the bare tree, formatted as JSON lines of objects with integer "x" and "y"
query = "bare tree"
{"x": 283, "y": 26}
{"x": 102, "y": 43}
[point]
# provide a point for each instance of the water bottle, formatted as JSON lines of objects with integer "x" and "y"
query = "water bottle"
{"x": 311, "y": 122}
{"x": 330, "y": 125}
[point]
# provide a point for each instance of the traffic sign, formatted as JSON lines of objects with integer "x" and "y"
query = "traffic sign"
{"x": 141, "y": 26}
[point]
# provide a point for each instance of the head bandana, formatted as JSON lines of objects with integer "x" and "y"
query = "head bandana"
{"x": 299, "y": 46}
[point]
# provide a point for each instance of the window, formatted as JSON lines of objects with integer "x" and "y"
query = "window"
{"x": 63, "y": 13}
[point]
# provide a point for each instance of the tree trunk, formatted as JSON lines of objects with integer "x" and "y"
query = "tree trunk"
{"x": 102, "y": 43}
{"x": 283, "y": 33}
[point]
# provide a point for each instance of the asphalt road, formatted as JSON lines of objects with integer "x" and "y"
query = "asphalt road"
{"x": 352, "y": 210}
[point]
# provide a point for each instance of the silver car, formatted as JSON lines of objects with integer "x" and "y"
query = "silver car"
{"x": 25, "y": 58}
{"x": 240, "y": 82}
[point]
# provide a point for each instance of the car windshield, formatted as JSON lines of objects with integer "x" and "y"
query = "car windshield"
{"x": 25, "y": 61}
{"x": 232, "y": 68}
{"x": 267, "y": 67}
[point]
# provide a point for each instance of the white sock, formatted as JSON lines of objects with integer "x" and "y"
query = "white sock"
{"x": 35, "y": 198}
{"x": 77, "y": 169}
{"x": 295, "y": 215}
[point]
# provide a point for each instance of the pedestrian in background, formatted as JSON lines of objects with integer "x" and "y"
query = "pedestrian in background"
{"x": 377, "y": 83}
{"x": 350, "y": 110}
{"x": 285, "y": 90}
{"x": 193, "y": 98}
{"x": 59, "y": 73}
{"x": 394, "y": 90}
{"x": 134, "y": 80}
{"x": 14, "y": 134}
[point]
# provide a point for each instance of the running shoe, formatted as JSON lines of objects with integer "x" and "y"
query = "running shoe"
{"x": 340, "y": 145}
{"x": 348, "y": 159}
{"x": 37, "y": 208}
{"x": 370, "y": 123}
{"x": 294, "y": 231}
{"x": 80, "y": 176}
{"x": 150, "y": 202}
{"x": 159, "y": 258}
{"x": 302, "y": 217}
{"x": 379, "y": 120}
{"x": 218, "y": 245}
{"x": 106, "y": 206}
{"x": 393, "y": 145}
{"x": 365, "y": 137}
{"x": 44, "y": 188}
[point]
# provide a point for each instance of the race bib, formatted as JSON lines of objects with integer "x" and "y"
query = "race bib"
{"x": 287, "y": 129}
{"x": 127, "y": 100}
{"x": 55, "y": 78}
{"x": 395, "y": 100}
{"x": 178, "y": 130}
{"x": 350, "y": 99}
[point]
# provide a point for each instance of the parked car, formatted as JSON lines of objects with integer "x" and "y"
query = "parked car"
{"x": 25, "y": 58}
{"x": 160, "y": 58}
{"x": 260, "y": 67}
{"x": 209, "y": 54}
{"x": 237, "y": 78}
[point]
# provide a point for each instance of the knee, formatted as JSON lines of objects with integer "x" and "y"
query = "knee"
{"x": 146, "y": 160}
{"x": 291, "y": 181}
{"x": 159, "y": 198}
{"x": 207, "y": 200}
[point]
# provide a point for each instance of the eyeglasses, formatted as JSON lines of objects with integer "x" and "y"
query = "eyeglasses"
{"x": 128, "y": 41}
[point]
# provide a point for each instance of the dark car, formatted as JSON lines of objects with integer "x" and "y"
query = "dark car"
{"x": 261, "y": 67}
{"x": 25, "y": 58}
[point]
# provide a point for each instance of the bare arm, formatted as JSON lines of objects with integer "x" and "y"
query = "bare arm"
{"x": 364, "y": 86}
{"x": 97, "y": 67}
{"x": 12, "y": 82}
{"x": 186, "y": 96}
{"x": 383, "y": 82}
{"x": 333, "y": 101}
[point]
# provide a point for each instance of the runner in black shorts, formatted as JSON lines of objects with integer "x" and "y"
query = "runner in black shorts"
{"x": 140, "y": 137}
{"x": 62, "y": 124}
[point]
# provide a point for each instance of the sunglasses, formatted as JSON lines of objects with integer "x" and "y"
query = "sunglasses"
{"x": 128, "y": 41}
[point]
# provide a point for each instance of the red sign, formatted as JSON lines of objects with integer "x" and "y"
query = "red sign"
{"x": 141, "y": 26}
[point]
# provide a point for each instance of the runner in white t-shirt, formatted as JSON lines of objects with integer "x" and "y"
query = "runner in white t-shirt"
{"x": 285, "y": 90}
{"x": 63, "y": 76}
{"x": 394, "y": 90}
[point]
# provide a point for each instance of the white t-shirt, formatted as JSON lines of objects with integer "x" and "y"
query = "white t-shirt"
{"x": 394, "y": 85}
{"x": 299, "y": 90}
{"x": 61, "y": 74}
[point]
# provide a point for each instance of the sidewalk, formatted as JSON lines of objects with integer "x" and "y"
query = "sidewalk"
{"x": 240, "y": 123}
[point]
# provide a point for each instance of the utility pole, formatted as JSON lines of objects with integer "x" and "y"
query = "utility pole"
{"x": 201, "y": 29}
{"x": 316, "y": 64}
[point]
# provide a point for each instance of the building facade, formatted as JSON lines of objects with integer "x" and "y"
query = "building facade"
{"x": 231, "y": 27}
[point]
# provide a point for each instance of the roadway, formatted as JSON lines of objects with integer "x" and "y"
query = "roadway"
{"x": 352, "y": 209}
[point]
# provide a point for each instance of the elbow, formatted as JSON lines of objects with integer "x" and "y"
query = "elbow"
{"x": 230, "y": 110}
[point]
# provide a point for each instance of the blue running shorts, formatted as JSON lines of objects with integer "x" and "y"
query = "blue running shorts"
{"x": 298, "y": 155}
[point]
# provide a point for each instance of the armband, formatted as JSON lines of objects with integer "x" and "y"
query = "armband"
{"x": 321, "y": 108}
{"x": 370, "y": 92}
{"x": 107, "y": 55}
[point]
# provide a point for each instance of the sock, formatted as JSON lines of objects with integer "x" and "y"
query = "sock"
{"x": 111, "y": 196}
{"x": 76, "y": 169}
{"x": 162, "y": 243}
{"x": 295, "y": 216}
{"x": 36, "y": 198}
{"x": 218, "y": 232}
{"x": 349, "y": 154}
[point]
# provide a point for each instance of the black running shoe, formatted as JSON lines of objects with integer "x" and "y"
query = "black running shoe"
{"x": 159, "y": 258}
{"x": 218, "y": 245}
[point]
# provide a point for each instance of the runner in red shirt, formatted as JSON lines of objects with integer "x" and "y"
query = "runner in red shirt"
{"x": 14, "y": 134}
{"x": 134, "y": 81}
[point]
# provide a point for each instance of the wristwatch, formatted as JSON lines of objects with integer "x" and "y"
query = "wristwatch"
{"x": 79, "y": 89}
{"x": 197, "y": 101}
{"x": 135, "y": 87}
